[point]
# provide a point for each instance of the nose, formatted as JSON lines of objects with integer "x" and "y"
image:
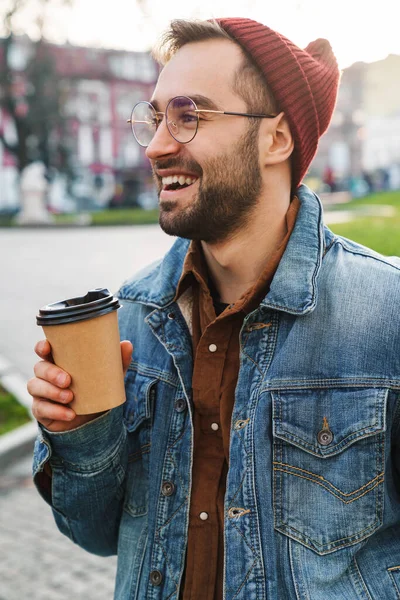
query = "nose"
{"x": 162, "y": 144}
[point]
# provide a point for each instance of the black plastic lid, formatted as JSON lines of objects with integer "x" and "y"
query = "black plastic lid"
{"x": 96, "y": 303}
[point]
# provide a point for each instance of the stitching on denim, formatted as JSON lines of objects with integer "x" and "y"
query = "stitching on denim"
{"x": 359, "y": 252}
{"x": 238, "y": 434}
{"x": 245, "y": 541}
{"x": 396, "y": 588}
{"x": 138, "y": 454}
{"x": 172, "y": 594}
{"x": 138, "y": 368}
{"x": 349, "y": 382}
{"x": 327, "y": 248}
{"x": 101, "y": 463}
{"x": 178, "y": 438}
{"x": 295, "y": 583}
{"x": 172, "y": 516}
{"x": 323, "y": 478}
{"x": 240, "y": 486}
{"x": 393, "y": 568}
{"x": 361, "y": 579}
{"x": 168, "y": 564}
{"x": 270, "y": 345}
{"x": 257, "y": 326}
{"x": 244, "y": 580}
{"x": 328, "y": 490}
{"x": 170, "y": 455}
{"x": 355, "y": 536}
{"x": 251, "y": 360}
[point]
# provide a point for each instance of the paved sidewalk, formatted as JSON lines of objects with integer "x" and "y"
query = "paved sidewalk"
{"x": 38, "y": 266}
{"x": 36, "y": 560}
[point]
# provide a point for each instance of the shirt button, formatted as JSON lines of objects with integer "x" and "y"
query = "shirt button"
{"x": 214, "y": 426}
{"x": 180, "y": 405}
{"x": 212, "y": 348}
{"x": 167, "y": 488}
{"x": 156, "y": 577}
{"x": 203, "y": 516}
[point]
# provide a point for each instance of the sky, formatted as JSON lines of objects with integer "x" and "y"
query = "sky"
{"x": 365, "y": 30}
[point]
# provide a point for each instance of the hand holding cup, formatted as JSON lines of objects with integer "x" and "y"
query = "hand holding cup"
{"x": 51, "y": 391}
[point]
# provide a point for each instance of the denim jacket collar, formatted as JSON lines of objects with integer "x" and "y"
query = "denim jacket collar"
{"x": 293, "y": 288}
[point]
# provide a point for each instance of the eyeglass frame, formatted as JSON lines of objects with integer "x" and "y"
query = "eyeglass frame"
{"x": 196, "y": 110}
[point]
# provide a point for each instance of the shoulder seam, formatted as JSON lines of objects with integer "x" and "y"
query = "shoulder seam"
{"x": 374, "y": 255}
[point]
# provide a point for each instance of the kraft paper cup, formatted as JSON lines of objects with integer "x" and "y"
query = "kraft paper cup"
{"x": 84, "y": 337}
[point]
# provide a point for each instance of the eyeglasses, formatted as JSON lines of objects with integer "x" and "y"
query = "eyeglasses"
{"x": 182, "y": 119}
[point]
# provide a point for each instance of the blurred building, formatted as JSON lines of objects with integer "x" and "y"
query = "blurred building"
{"x": 364, "y": 137}
{"x": 99, "y": 88}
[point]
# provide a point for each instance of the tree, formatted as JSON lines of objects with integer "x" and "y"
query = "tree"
{"x": 29, "y": 92}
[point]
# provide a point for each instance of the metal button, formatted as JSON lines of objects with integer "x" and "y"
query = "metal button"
{"x": 324, "y": 437}
{"x": 156, "y": 577}
{"x": 214, "y": 426}
{"x": 171, "y": 315}
{"x": 167, "y": 488}
{"x": 180, "y": 405}
{"x": 212, "y": 348}
{"x": 203, "y": 516}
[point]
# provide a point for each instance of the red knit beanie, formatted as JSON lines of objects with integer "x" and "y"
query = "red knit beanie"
{"x": 303, "y": 82}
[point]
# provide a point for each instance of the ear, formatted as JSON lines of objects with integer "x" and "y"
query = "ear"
{"x": 276, "y": 140}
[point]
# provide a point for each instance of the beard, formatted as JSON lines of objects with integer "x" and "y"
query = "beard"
{"x": 226, "y": 198}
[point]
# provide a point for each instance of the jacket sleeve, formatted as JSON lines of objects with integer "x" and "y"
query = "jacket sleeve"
{"x": 88, "y": 467}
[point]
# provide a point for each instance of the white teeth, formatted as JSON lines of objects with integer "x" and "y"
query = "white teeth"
{"x": 181, "y": 179}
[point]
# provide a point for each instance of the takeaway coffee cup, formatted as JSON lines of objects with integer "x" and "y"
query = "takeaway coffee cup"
{"x": 84, "y": 337}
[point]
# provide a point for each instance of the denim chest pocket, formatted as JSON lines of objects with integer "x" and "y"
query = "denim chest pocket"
{"x": 328, "y": 466}
{"x": 140, "y": 396}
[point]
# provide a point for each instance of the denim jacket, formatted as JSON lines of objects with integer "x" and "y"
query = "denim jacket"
{"x": 312, "y": 504}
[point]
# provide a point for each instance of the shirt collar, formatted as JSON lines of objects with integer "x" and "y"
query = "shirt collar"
{"x": 293, "y": 288}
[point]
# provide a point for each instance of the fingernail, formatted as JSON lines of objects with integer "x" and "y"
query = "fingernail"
{"x": 70, "y": 415}
{"x": 40, "y": 346}
{"x": 65, "y": 395}
{"x": 61, "y": 379}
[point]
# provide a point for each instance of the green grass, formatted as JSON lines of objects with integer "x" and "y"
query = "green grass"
{"x": 12, "y": 413}
{"x": 379, "y": 233}
{"x": 125, "y": 216}
{"x": 385, "y": 198}
{"x": 116, "y": 216}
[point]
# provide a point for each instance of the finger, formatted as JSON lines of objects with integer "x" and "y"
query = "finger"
{"x": 44, "y": 411}
{"x": 44, "y": 389}
{"x": 126, "y": 354}
{"x": 50, "y": 372}
{"x": 43, "y": 349}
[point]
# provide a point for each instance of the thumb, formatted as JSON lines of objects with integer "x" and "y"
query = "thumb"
{"x": 126, "y": 354}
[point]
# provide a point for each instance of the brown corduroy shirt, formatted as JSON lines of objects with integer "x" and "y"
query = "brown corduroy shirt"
{"x": 216, "y": 330}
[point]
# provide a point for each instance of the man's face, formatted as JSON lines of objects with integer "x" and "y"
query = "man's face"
{"x": 220, "y": 166}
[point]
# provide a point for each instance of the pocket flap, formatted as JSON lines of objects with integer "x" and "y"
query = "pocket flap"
{"x": 345, "y": 415}
{"x": 138, "y": 399}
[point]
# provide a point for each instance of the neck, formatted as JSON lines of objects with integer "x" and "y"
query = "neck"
{"x": 235, "y": 264}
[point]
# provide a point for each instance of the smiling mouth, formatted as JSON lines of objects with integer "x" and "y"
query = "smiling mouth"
{"x": 177, "y": 182}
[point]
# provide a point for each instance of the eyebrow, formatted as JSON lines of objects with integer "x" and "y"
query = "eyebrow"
{"x": 198, "y": 99}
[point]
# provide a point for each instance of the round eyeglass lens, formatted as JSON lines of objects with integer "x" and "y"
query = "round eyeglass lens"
{"x": 182, "y": 119}
{"x": 144, "y": 123}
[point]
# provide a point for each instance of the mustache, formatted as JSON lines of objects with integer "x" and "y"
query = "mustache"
{"x": 174, "y": 163}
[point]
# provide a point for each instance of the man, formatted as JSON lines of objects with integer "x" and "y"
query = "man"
{"x": 256, "y": 456}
